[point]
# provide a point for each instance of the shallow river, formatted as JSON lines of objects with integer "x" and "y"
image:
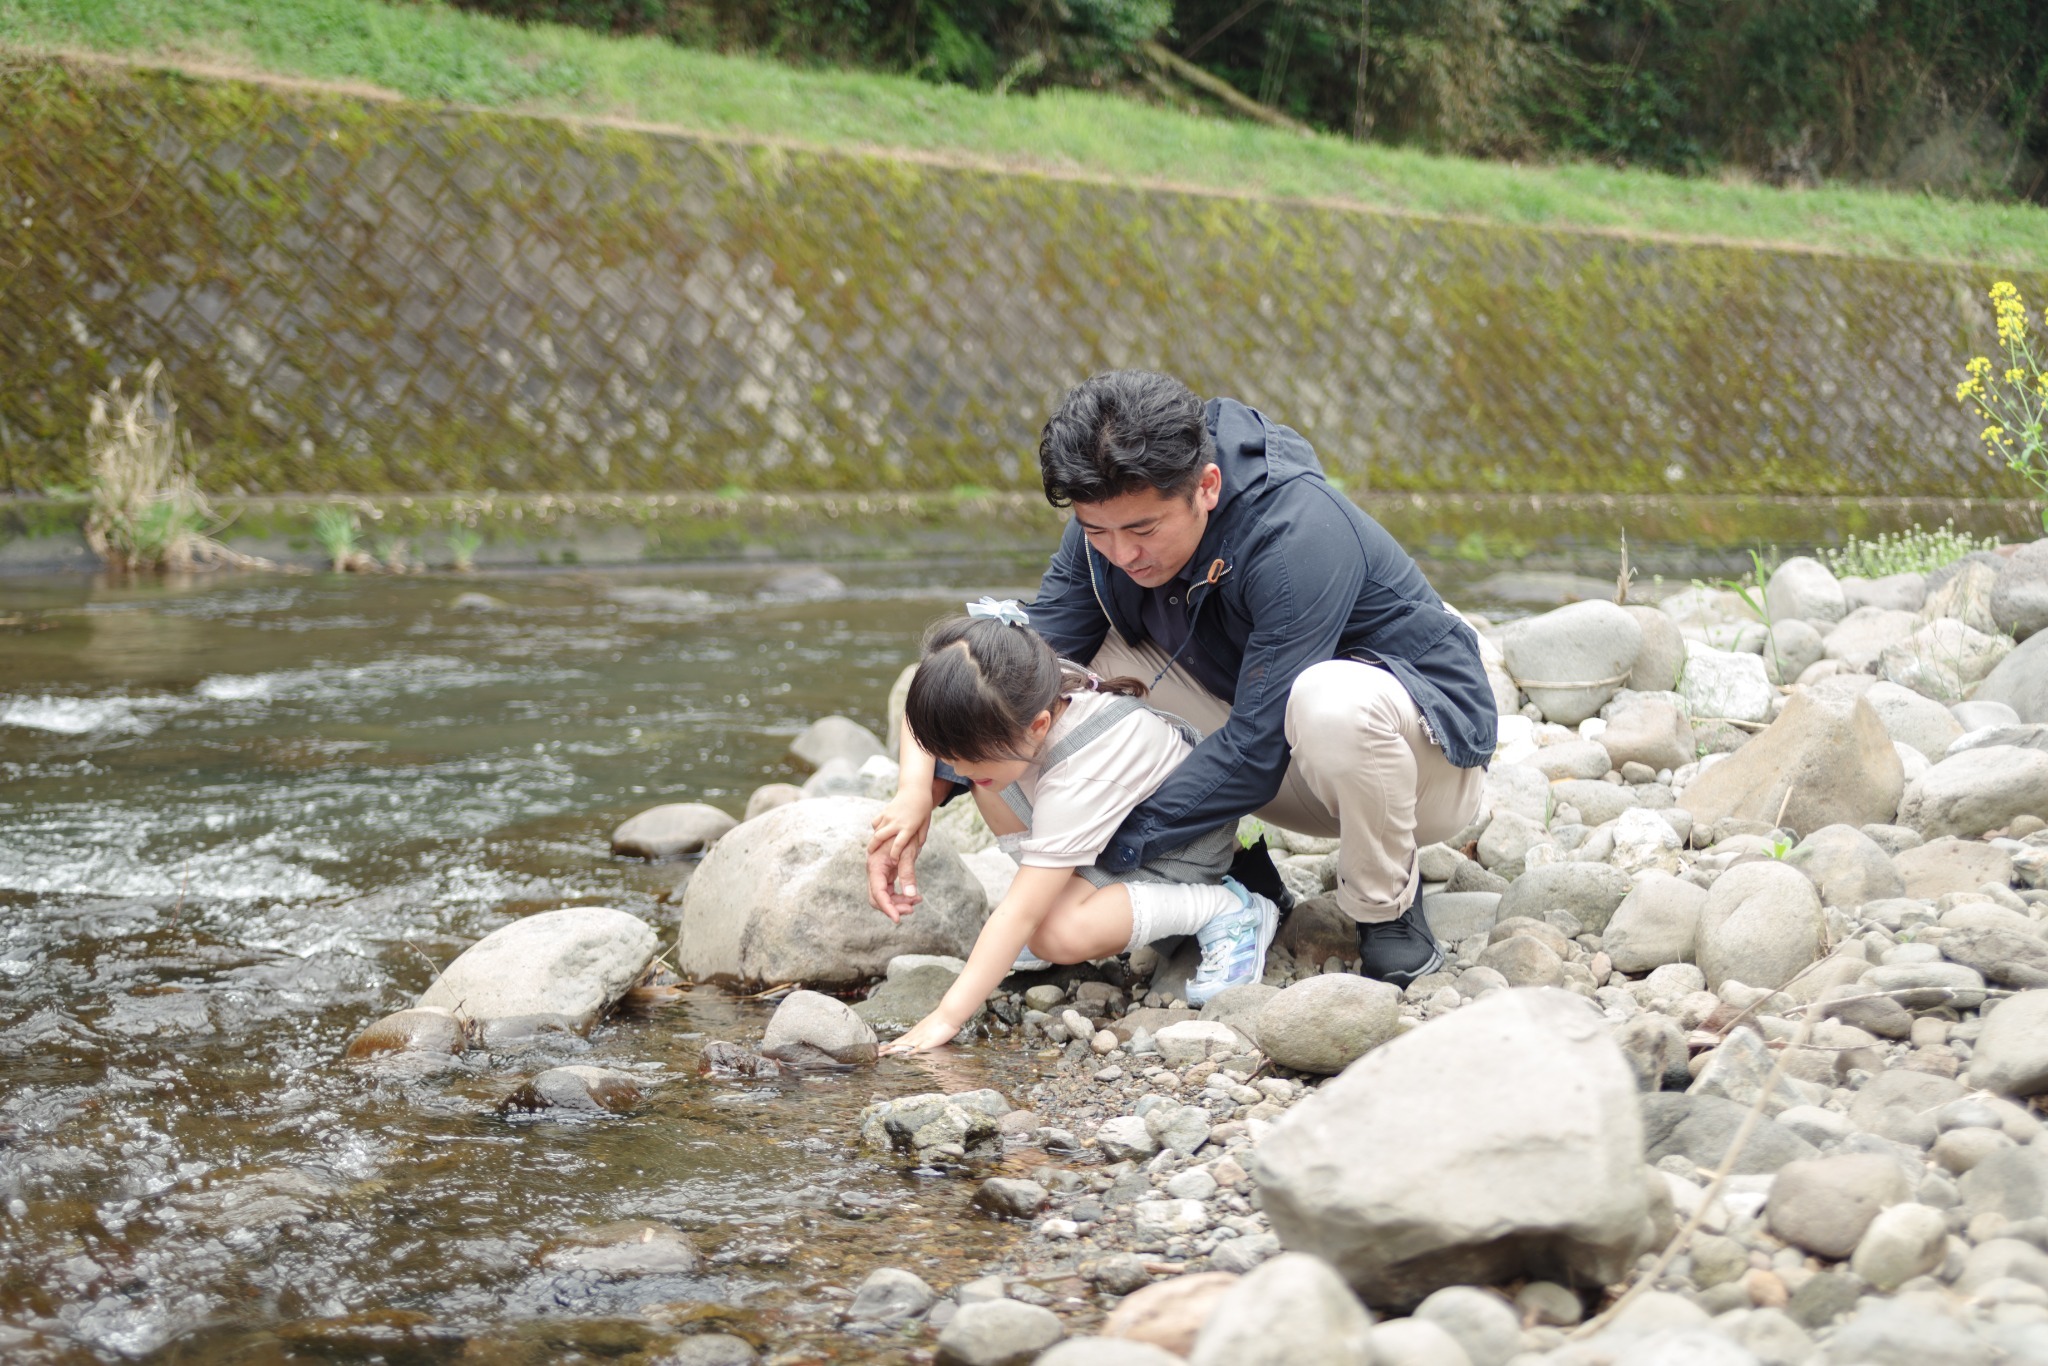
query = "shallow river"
{"x": 242, "y": 817}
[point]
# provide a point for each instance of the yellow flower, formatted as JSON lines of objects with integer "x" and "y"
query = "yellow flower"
{"x": 1979, "y": 366}
{"x": 1993, "y": 435}
{"x": 2014, "y": 375}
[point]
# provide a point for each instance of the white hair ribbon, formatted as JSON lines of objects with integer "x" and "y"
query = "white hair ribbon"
{"x": 1009, "y": 611}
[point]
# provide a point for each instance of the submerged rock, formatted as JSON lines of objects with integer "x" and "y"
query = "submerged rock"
{"x": 632, "y": 1247}
{"x": 937, "y": 1129}
{"x": 1500, "y": 1140}
{"x": 576, "y": 1090}
{"x": 836, "y": 737}
{"x": 574, "y": 962}
{"x": 420, "y": 1029}
{"x": 730, "y": 1062}
{"x": 811, "y": 1029}
{"x": 784, "y": 898}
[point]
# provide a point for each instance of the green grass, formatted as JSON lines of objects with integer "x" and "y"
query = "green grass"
{"x": 428, "y": 52}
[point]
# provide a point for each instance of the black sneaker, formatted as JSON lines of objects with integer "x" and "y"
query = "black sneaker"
{"x": 1399, "y": 950}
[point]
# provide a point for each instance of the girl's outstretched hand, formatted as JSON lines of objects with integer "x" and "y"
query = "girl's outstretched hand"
{"x": 933, "y": 1031}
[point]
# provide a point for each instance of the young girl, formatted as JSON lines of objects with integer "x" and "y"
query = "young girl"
{"x": 1057, "y": 758}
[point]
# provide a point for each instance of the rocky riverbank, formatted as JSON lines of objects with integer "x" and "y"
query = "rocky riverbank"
{"x": 1735, "y": 1058}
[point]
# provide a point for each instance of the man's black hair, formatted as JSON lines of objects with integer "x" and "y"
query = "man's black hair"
{"x": 1123, "y": 431}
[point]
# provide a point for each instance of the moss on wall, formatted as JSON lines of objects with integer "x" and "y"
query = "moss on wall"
{"x": 380, "y": 297}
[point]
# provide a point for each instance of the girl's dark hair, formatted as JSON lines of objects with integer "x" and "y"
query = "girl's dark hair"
{"x": 980, "y": 684}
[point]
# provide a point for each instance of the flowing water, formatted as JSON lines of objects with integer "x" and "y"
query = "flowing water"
{"x": 242, "y": 817}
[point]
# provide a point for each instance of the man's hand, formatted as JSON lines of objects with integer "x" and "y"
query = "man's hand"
{"x": 933, "y": 1031}
{"x": 900, "y": 834}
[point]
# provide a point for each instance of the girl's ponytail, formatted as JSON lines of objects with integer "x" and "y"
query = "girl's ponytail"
{"x": 1073, "y": 679}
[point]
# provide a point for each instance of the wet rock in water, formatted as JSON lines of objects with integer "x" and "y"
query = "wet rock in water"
{"x": 1292, "y": 1309}
{"x": 1590, "y": 892}
{"x": 836, "y": 737}
{"x": 574, "y": 962}
{"x": 768, "y": 796}
{"x": 1976, "y": 791}
{"x": 1824, "y": 1205}
{"x": 1169, "y": 1314}
{"x": 912, "y": 986}
{"x": 891, "y": 1296}
{"x": 1107, "y": 1352}
{"x": 576, "y": 1090}
{"x": 633, "y": 1247}
{"x": 709, "y": 1349}
{"x": 1701, "y": 1128}
{"x": 509, "y": 1033}
{"x": 1948, "y": 864}
{"x": 1655, "y": 924}
{"x": 1499, "y": 1140}
{"x": 998, "y": 1333}
{"x": 477, "y": 602}
{"x": 784, "y": 898}
{"x": 806, "y": 582}
{"x": 1761, "y": 925}
{"x": 731, "y": 1062}
{"x": 2011, "y": 1054}
{"x": 675, "y": 830}
{"x": 1847, "y": 866}
{"x": 1570, "y": 661}
{"x": 1829, "y": 753}
{"x": 656, "y": 599}
{"x": 937, "y": 1129}
{"x": 1011, "y": 1197}
{"x": 811, "y": 1029}
{"x": 1324, "y": 1023}
{"x": 420, "y": 1029}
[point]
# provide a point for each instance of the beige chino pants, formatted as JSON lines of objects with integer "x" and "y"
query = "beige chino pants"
{"x": 1360, "y": 767}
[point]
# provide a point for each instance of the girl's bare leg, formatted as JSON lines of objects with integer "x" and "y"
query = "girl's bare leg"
{"x": 1086, "y": 922}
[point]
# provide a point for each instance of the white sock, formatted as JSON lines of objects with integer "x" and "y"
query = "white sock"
{"x": 1160, "y": 909}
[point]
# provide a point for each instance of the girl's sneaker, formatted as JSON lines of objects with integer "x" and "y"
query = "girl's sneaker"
{"x": 1234, "y": 945}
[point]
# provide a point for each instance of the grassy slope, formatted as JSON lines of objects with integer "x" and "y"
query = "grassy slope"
{"x": 428, "y": 52}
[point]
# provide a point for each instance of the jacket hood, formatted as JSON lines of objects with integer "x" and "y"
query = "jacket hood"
{"x": 1254, "y": 454}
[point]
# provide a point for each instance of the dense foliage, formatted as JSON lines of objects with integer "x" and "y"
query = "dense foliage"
{"x": 1922, "y": 94}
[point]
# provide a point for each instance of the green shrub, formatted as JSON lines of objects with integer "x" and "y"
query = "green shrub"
{"x": 1906, "y": 552}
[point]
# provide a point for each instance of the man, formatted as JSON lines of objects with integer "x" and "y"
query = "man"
{"x": 1209, "y": 557}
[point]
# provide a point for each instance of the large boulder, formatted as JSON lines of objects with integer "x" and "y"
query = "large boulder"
{"x": 2019, "y": 595}
{"x": 1847, "y": 866}
{"x": 1976, "y": 790}
{"x": 675, "y": 830}
{"x": 1572, "y": 660}
{"x": 1915, "y": 721}
{"x": 1727, "y": 685}
{"x": 784, "y": 898}
{"x": 2020, "y": 681}
{"x": 1828, "y": 752}
{"x": 1804, "y": 589}
{"x": 1761, "y": 925}
{"x": 571, "y": 964}
{"x": 1498, "y": 1141}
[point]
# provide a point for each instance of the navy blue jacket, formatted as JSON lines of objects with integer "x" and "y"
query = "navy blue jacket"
{"x": 1288, "y": 574}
